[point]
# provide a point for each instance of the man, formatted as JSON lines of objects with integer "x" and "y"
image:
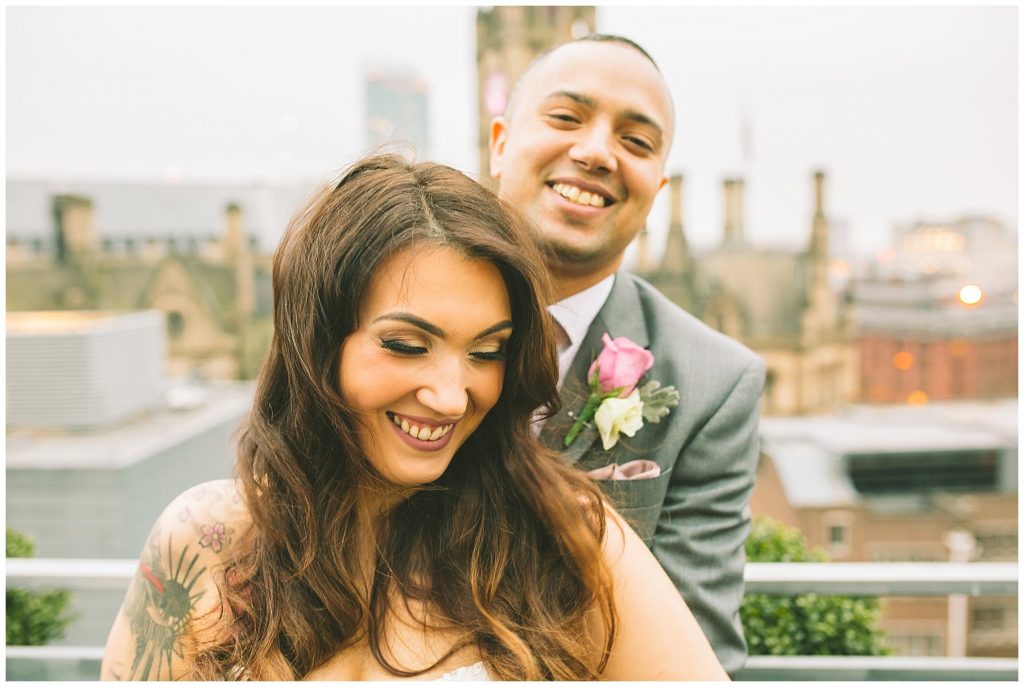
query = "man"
{"x": 581, "y": 150}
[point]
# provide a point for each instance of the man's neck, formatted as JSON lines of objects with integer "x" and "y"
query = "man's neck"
{"x": 565, "y": 284}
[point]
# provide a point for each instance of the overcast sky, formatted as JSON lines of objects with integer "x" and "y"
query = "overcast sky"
{"x": 911, "y": 111}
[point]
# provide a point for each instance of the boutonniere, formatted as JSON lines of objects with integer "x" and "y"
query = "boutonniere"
{"x": 618, "y": 404}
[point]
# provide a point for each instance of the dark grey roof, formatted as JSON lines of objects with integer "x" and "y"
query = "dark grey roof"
{"x": 157, "y": 210}
{"x": 808, "y": 450}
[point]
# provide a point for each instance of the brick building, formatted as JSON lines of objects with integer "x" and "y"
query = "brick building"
{"x": 905, "y": 483}
{"x": 937, "y": 315}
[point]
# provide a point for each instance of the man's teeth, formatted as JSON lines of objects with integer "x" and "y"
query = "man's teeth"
{"x": 580, "y": 197}
{"x": 421, "y": 433}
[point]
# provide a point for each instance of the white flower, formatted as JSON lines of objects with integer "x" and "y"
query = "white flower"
{"x": 619, "y": 416}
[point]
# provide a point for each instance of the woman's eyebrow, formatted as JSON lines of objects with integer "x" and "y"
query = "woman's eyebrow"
{"x": 433, "y": 329}
{"x": 494, "y": 329}
{"x": 417, "y": 322}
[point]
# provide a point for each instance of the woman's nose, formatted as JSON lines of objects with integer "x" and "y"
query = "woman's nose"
{"x": 447, "y": 393}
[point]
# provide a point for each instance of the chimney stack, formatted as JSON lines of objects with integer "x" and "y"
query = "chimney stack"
{"x": 818, "y": 250}
{"x": 819, "y": 193}
{"x": 733, "y": 233}
{"x": 643, "y": 251}
{"x": 73, "y": 227}
{"x": 234, "y": 240}
{"x": 819, "y": 224}
{"x": 676, "y": 259}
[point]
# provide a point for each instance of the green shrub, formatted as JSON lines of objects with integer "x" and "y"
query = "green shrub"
{"x": 33, "y": 618}
{"x": 808, "y": 624}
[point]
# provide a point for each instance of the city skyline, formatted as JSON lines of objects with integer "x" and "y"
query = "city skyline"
{"x": 910, "y": 111}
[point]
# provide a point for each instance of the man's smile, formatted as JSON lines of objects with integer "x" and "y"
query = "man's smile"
{"x": 576, "y": 195}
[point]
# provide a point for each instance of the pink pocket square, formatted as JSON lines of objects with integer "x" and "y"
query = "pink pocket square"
{"x": 634, "y": 469}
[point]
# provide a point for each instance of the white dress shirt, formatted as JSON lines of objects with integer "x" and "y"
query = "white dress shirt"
{"x": 576, "y": 313}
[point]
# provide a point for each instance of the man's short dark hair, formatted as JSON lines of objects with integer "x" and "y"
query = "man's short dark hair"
{"x": 589, "y": 38}
{"x": 611, "y": 38}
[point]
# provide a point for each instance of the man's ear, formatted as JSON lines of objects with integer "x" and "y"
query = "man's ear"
{"x": 497, "y": 139}
{"x": 661, "y": 184}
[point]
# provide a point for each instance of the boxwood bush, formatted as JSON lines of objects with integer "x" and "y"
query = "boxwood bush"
{"x": 807, "y": 624}
{"x": 33, "y": 618}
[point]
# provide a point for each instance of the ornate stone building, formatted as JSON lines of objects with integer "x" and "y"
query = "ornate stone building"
{"x": 779, "y": 303}
{"x": 214, "y": 288}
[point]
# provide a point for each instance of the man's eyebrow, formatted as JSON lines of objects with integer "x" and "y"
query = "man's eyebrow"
{"x": 641, "y": 118}
{"x": 574, "y": 96}
{"x": 433, "y": 329}
{"x": 588, "y": 101}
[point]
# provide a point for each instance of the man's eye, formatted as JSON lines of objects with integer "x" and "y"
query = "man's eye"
{"x": 562, "y": 117}
{"x": 396, "y": 346}
{"x": 642, "y": 143}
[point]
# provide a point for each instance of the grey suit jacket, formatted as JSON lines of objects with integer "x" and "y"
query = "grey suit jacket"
{"x": 694, "y": 516}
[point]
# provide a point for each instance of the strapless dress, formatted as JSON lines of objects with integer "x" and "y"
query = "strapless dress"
{"x": 475, "y": 672}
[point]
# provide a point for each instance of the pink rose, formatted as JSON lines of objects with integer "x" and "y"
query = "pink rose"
{"x": 621, "y": 364}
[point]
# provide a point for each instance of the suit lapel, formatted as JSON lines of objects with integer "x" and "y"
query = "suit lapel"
{"x": 621, "y": 315}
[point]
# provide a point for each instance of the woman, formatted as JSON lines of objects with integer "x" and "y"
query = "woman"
{"x": 394, "y": 514}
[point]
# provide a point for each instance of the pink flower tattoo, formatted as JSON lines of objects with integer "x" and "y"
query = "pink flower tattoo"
{"x": 214, "y": 536}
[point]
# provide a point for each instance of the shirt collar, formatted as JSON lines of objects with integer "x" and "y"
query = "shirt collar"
{"x": 577, "y": 312}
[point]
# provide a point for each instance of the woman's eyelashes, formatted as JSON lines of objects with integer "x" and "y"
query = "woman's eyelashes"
{"x": 401, "y": 347}
{"x": 497, "y": 354}
{"x": 492, "y": 352}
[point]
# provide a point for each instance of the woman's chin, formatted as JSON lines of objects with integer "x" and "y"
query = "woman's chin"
{"x": 415, "y": 476}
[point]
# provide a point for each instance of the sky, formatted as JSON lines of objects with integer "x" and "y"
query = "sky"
{"x": 911, "y": 111}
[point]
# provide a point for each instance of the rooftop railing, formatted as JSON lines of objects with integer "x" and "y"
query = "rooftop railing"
{"x": 783, "y": 579}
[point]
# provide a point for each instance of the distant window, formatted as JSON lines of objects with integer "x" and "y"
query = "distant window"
{"x": 992, "y": 618}
{"x": 997, "y": 544}
{"x": 916, "y": 643}
{"x": 904, "y": 552}
{"x": 175, "y": 324}
{"x": 838, "y": 532}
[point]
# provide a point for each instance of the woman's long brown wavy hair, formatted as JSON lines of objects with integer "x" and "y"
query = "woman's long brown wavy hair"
{"x": 505, "y": 547}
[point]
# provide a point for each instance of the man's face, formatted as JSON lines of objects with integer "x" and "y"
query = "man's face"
{"x": 582, "y": 152}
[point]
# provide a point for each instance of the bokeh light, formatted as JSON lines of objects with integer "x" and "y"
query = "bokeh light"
{"x": 903, "y": 360}
{"x": 917, "y": 398}
{"x": 970, "y": 294}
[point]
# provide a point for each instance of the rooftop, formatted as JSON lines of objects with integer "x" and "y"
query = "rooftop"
{"x": 808, "y": 451}
{"x": 157, "y": 209}
{"x": 191, "y": 410}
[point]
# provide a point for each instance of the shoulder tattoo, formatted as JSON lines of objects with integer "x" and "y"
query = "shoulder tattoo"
{"x": 160, "y": 606}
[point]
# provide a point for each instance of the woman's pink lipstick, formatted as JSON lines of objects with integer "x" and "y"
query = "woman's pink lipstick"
{"x": 422, "y": 444}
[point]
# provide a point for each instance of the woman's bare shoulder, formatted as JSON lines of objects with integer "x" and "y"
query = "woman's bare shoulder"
{"x": 213, "y": 510}
{"x": 175, "y": 602}
{"x": 674, "y": 648}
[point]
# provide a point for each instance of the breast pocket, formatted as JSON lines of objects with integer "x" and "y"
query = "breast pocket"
{"x": 639, "y": 502}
